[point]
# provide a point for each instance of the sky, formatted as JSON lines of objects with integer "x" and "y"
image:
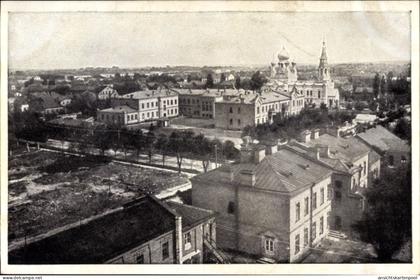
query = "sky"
{"x": 76, "y": 40}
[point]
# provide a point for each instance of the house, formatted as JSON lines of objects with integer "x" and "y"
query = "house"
{"x": 239, "y": 109}
{"x": 106, "y": 92}
{"x": 198, "y": 103}
{"x": 271, "y": 204}
{"x": 366, "y": 90}
{"x": 394, "y": 151}
{"x": 365, "y": 119}
{"x": 144, "y": 231}
{"x": 142, "y": 106}
{"x": 354, "y": 165}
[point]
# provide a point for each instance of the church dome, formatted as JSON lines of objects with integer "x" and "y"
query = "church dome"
{"x": 283, "y": 54}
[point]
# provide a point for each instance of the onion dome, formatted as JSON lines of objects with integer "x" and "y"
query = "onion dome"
{"x": 283, "y": 54}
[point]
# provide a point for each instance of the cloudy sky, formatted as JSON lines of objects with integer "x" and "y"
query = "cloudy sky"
{"x": 73, "y": 40}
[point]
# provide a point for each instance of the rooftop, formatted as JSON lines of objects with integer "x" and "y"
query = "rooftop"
{"x": 119, "y": 109}
{"x": 101, "y": 239}
{"x": 274, "y": 172}
{"x": 191, "y": 216}
{"x": 345, "y": 149}
{"x": 145, "y": 94}
{"x": 383, "y": 139}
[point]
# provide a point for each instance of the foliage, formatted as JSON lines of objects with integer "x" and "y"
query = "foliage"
{"x": 257, "y": 81}
{"x": 386, "y": 223}
{"x": 238, "y": 82}
{"x": 209, "y": 82}
{"x": 403, "y": 129}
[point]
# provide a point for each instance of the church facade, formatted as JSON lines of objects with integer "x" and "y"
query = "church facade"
{"x": 284, "y": 76}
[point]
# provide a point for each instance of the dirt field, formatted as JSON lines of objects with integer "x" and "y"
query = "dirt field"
{"x": 48, "y": 190}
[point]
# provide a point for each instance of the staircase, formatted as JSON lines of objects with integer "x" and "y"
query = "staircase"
{"x": 216, "y": 252}
{"x": 336, "y": 235}
{"x": 266, "y": 261}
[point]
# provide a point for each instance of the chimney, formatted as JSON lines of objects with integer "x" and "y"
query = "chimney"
{"x": 271, "y": 147}
{"x": 178, "y": 239}
{"x": 246, "y": 149}
{"x": 315, "y": 134}
{"x": 305, "y": 136}
{"x": 247, "y": 178}
{"x": 259, "y": 154}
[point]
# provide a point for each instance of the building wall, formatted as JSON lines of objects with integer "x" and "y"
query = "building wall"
{"x": 309, "y": 217}
{"x": 234, "y": 115}
{"x": 116, "y": 118}
{"x": 395, "y": 159}
{"x": 193, "y": 253}
{"x": 151, "y": 252}
{"x": 168, "y": 106}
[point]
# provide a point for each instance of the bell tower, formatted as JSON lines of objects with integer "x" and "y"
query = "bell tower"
{"x": 323, "y": 69}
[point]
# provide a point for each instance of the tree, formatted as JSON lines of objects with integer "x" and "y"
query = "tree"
{"x": 376, "y": 85}
{"x": 386, "y": 223}
{"x": 180, "y": 145}
{"x": 403, "y": 129}
{"x": 257, "y": 81}
{"x": 222, "y": 77}
{"x": 202, "y": 148}
{"x": 139, "y": 142}
{"x": 238, "y": 82}
{"x": 323, "y": 107}
{"x": 162, "y": 145}
{"x": 209, "y": 82}
{"x": 359, "y": 106}
{"x": 150, "y": 141}
{"x": 102, "y": 140}
{"x": 229, "y": 150}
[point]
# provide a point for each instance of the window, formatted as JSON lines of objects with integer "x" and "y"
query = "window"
{"x": 153, "y": 114}
{"x": 329, "y": 193}
{"x": 321, "y": 225}
{"x": 403, "y": 159}
{"x": 313, "y": 233}
{"x": 172, "y": 102}
{"x": 297, "y": 243}
{"x": 269, "y": 245}
{"x": 164, "y": 102}
{"x": 148, "y": 114}
{"x": 314, "y": 201}
{"x": 140, "y": 259}
{"x": 231, "y": 207}
{"x": 239, "y": 122}
{"x": 142, "y": 116}
{"x": 176, "y": 111}
{"x": 338, "y": 184}
{"x": 306, "y": 205}
{"x": 230, "y": 110}
{"x": 297, "y": 211}
{"x": 258, "y": 110}
{"x": 230, "y": 121}
{"x": 165, "y": 250}
{"x": 338, "y": 196}
{"x": 147, "y": 105}
{"x": 391, "y": 160}
{"x": 322, "y": 197}
{"x": 239, "y": 110}
{"x": 142, "y": 105}
{"x": 354, "y": 182}
{"x": 187, "y": 240}
{"x": 305, "y": 237}
{"x": 364, "y": 168}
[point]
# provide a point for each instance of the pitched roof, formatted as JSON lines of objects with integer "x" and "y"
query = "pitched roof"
{"x": 191, "y": 216}
{"x": 101, "y": 239}
{"x": 346, "y": 149}
{"x": 384, "y": 139}
{"x": 119, "y": 109}
{"x": 285, "y": 171}
{"x": 146, "y": 94}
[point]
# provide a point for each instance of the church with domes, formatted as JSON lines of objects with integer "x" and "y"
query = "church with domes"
{"x": 284, "y": 76}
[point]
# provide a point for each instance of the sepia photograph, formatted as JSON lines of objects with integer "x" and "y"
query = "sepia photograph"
{"x": 209, "y": 137}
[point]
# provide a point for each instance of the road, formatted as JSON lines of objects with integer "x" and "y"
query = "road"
{"x": 142, "y": 158}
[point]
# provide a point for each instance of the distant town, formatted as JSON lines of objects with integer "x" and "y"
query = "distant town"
{"x": 280, "y": 163}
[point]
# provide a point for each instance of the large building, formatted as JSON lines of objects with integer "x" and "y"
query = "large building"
{"x": 145, "y": 231}
{"x": 248, "y": 108}
{"x": 272, "y": 204}
{"x": 354, "y": 165}
{"x": 284, "y": 76}
{"x": 198, "y": 103}
{"x": 394, "y": 151}
{"x": 140, "y": 106}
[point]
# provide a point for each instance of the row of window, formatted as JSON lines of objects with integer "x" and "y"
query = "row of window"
{"x": 391, "y": 160}
{"x": 268, "y": 107}
{"x": 314, "y": 203}
{"x": 188, "y": 101}
{"x": 298, "y": 102}
{"x": 164, "y": 250}
{"x": 238, "y": 121}
{"x": 306, "y": 235}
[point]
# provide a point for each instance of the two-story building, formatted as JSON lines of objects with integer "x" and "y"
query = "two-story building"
{"x": 198, "y": 103}
{"x": 395, "y": 152}
{"x": 144, "y": 231}
{"x": 354, "y": 167}
{"x": 141, "y": 106}
{"x": 252, "y": 108}
{"x": 271, "y": 204}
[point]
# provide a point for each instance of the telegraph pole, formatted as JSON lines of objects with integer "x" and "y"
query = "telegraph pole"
{"x": 215, "y": 152}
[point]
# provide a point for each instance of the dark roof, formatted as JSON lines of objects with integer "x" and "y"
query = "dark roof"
{"x": 383, "y": 139}
{"x": 103, "y": 238}
{"x": 120, "y": 109}
{"x": 191, "y": 215}
{"x": 285, "y": 171}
